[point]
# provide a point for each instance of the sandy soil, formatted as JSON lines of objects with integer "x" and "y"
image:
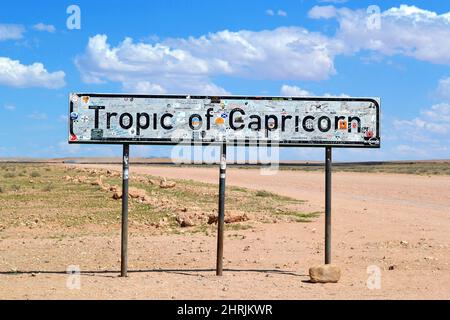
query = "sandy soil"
{"x": 398, "y": 223}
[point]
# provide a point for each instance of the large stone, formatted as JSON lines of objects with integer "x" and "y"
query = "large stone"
{"x": 136, "y": 193}
{"x": 229, "y": 218}
{"x": 97, "y": 182}
{"x": 164, "y": 184}
{"x": 184, "y": 221}
{"x": 117, "y": 195}
{"x": 325, "y": 273}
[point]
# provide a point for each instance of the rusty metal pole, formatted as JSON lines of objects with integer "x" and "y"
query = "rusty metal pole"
{"x": 124, "y": 236}
{"x": 328, "y": 162}
{"x": 221, "y": 217}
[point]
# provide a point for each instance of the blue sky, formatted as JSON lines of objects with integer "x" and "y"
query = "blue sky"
{"x": 309, "y": 47}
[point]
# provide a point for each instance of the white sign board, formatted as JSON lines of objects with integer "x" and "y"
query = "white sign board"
{"x": 174, "y": 119}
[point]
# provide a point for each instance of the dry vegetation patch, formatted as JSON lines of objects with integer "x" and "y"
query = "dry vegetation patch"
{"x": 55, "y": 201}
{"x": 420, "y": 168}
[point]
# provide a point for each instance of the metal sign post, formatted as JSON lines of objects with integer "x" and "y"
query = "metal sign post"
{"x": 328, "y": 160}
{"x": 221, "y": 213}
{"x": 124, "y": 237}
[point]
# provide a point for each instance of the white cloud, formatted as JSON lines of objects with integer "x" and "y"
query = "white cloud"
{"x": 280, "y": 13}
{"x": 412, "y": 12}
{"x": 322, "y": 12}
{"x": 427, "y": 135}
{"x": 44, "y": 27}
{"x": 410, "y": 150}
{"x": 9, "y": 107}
{"x": 443, "y": 89}
{"x": 38, "y": 116}
{"x": 342, "y": 95}
{"x": 286, "y": 53}
{"x": 406, "y": 30}
{"x": 11, "y": 32}
{"x": 287, "y": 90}
{"x": 197, "y": 87}
{"x": 143, "y": 87}
{"x": 15, "y": 74}
{"x": 187, "y": 64}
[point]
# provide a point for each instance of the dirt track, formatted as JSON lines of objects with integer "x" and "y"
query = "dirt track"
{"x": 398, "y": 222}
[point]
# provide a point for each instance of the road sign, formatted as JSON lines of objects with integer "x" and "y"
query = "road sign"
{"x": 240, "y": 120}
{"x": 175, "y": 119}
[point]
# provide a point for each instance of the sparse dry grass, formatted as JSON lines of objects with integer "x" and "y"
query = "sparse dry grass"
{"x": 40, "y": 201}
{"x": 419, "y": 168}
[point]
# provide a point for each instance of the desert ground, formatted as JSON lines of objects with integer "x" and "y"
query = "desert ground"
{"x": 398, "y": 223}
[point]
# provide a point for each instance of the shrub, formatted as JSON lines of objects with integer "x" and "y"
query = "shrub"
{"x": 35, "y": 174}
{"x": 263, "y": 193}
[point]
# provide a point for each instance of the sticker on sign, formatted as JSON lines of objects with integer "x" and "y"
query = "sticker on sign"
{"x": 241, "y": 120}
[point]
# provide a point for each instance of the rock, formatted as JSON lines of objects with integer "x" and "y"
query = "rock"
{"x": 404, "y": 243}
{"x": 136, "y": 193}
{"x": 97, "y": 182}
{"x": 80, "y": 179}
{"x": 164, "y": 184}
{"x": 325, "y": 273}
{"x": 184, "y": 221}
{"x": 391, "y": 267}
{"x": 228, "y": 218}
{"x": 236, "y": 218}
{"x": 117, "y": 195}
{"x": 146, "y": 199}
{"x": 212, "y": 219}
